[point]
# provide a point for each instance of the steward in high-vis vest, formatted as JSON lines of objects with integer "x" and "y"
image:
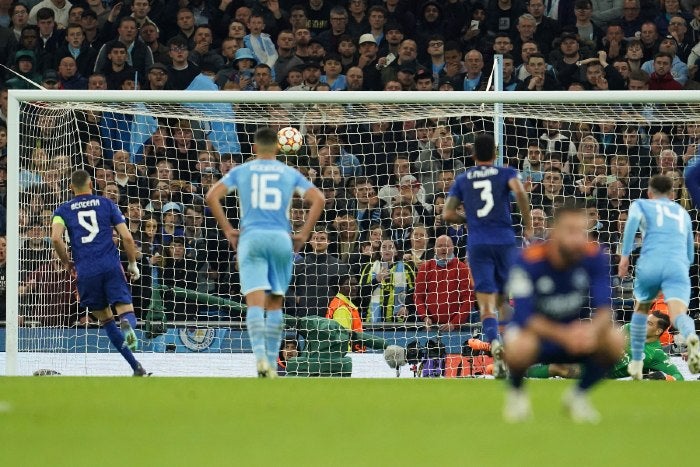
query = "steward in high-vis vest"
{"x": 344, "y": 311}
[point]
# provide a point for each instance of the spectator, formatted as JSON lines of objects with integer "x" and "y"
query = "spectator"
{"x": 347, "y": 238}
{"x": 19, "y": 18}
{"x": 55, "y": 303}
{"x": 89, "y": 22}
{"x": 138, "y": 55}
{"x": 631, "y": 19}
{"x": 601, "y": 75}
{"x": 185, "y": 28}
{"x": 474, "y": 78}
{"x": 419, "y": 251}
{"x": 69, "y": 76}
{"x": 259, "y": 42}
{"x": 539, "y": 79}
{"x": 587, "y": 30}
{"x": 546, "y": 28}
{"x": 408, "y": 52}
{"x": 442, "y": 157}
{"x": 502, "y": 16}
{"x": 59, "y": 8}
{"x": 539, "y": 225}
{"x": 365, "y": 205}
{"x": 355, "y": 79}
{"x": 77, "y": 48}
{"x": 316, "y": 277}
{"x": 678, "y": 69}
{"x": 181, "y": 72}
{"x": 649, "y": 37}
{"x": 545, "y": 194}
{"x": 116, "y": 69}
{"x": 24, "y": 66}
{"x": 669, "y": 8}
{"x": 400, "y": 225}
{"x": 386, "y": 282}
{"x": 443, "y": 294}
{"x": 318, "y": 13}
{"x": 662, "y": 76}
{"x": 678, "y": 29}
{"x": 333, "y": 67}
{"x": 202, "y": 54}
{"x": 510, "y": 82}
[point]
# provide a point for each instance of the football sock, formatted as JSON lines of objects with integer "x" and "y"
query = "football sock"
{"x": 490, "y": 326}
{"x": 130, "y": 317}
{"x": 255, "y": 323}
{"x": 638, "y": 334}
{"x": 516, "y": 379}
{"x": 117, "y": 339}
{"x": 274, "y": 327}
{"x": 592, "y": 373}
{"x": 685, "y": 325}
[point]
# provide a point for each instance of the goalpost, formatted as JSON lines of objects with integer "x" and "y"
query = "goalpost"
{"x": 155, "y": 153}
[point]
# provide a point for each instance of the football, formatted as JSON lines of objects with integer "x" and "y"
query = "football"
{"x": 289, "y": 140}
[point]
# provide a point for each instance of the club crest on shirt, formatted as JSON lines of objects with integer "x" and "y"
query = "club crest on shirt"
{"x": 545, "y": 285}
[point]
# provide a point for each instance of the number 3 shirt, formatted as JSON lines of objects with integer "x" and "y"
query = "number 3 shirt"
{"x": 265, "y": 189}
{"x": 89, "y": 220}
{"x": 485, "y": 195}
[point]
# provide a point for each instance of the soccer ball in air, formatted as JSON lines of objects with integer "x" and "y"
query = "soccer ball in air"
{"x": 289, "y": 140}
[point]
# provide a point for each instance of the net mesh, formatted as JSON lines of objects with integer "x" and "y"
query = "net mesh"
{"x": 384, "y": 170}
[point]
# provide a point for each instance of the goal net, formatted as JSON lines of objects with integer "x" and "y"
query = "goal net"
{"x": 384, "y": 162}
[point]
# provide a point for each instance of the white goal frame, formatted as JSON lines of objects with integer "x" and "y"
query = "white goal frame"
{"x": 494, "y": 99}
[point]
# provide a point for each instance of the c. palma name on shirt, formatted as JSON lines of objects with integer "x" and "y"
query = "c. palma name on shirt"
{"x": 88, "y": 203}
{"x": 484, "y": 172}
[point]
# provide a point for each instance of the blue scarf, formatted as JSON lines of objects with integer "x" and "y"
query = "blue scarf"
{"x": 443, "y": 262}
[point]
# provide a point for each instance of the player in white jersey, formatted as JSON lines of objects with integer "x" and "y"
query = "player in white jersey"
{"x": 667, "y": 251}
{"x": 265, "y": 188}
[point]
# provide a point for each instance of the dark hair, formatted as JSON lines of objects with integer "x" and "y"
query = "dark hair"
{"x": 664, "y": 321}
{"x": 45, "y": 13}
{"x": 452, "y": 45}
{"x": 266, "y": 137}
{"x": 116, "y": 45}
{"x": 80, "y": 178}
{"x": 484, "y": 147}
{"x": 639, "y": 75}
{"x": 537, "y": 55}
{"x": 663, "y": 54}
{"x": 177, "y": 41}
{"x": 661, "y": 184}
{"x": 127, "y": 19}
{"x": 332, "y": 56}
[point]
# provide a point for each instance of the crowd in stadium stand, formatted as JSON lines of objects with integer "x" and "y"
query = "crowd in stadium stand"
{"x": 385, "y": 183}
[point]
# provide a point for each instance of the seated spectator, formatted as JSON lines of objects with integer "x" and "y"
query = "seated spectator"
{"x": 400, "y": 225}
{"x": 181, "y": 72}
{"x": 357, "y": 20}
{"x": 614, "y": 43}
{"x": 620, "y": 169}
{"x": 539, "y": 225}
{"x": 365, "y": 205}
{"x": 510, "y": 82}
{"x": 69, "y": 76}
{"x": 411, "y": 193}
{"x": 556, "y": 141}
{"x": 138, "y": 55}
{"x": 474, "y": 78}
{"x": 532, "y": 167}
{"x": 171, "y": 222}
{"x": 330, "y": 38}
{"x": 24, "y": 64}
{"x": 202, "y": 54}
{"x": 539, "y": 79}
{"x": 587, "y": 30}
{"x": 346, "y": 245}
{"x": 678, "y": 29}
{"x": 457, "y": 232}
{"x": 259, "y": 42}
{"x": 332, "y": 153}
{"x": 443, "y": 295}
{"x": 406, "y": 59}
{"x": 316, "y": 277}
{"x": 601, "y": 75}
{"x": 546, "y": 28}
{"x": 311, "y": 75}
{"x": 669, "y": 8}
{"x": 631, "y": 19}
{"x": 79, "y": 49}
{"x": 419, "y": 251}
{"x": 649, "y": 37}
{"x": 59, "y": 8}
{"x": 150, "y": 35}
{"x": 614, "y": 201}
{"x": 443, "y": 157}
{"x": 388, "y": 193}
{"x": 661, "y": 78}
{"x": 544, "y": 195}
{"x": 116, "y": 69}
{"x": 678, "y": 69}
{"x": 333, "y": 76}
{"x": 386, "y": 282}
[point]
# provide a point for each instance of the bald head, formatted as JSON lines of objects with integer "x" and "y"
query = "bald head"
{"x": 444, "y": 247}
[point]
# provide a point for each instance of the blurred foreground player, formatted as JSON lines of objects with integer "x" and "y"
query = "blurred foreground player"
{"x": 484, "y": 191}
{"x": 551, "y": 284}
{"x": 663, "y": 266}
{"x": 89, "y": 220}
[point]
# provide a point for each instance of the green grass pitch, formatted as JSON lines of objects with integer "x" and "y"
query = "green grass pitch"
{"x": 61, "y": 421}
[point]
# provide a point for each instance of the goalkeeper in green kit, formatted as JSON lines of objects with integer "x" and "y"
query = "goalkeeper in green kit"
{"x": 657, "y": 365}
{"x": 326, "y": 345}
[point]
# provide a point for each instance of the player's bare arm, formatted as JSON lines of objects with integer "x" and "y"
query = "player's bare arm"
{"x": 213, "y": 199}
{"x": 450, "y": 214}
{"x": 317, "y": 201}
{"x": 57, "y": 230}
{"x": 132, "y": 252}
{"x": 523, "y": 201}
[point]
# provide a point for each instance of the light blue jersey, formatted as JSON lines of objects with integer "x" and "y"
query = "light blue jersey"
{"x": 265, "y": 189}
{"x": 667, "y": 248}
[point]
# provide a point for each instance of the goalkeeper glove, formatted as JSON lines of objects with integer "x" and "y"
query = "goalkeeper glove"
{"x": 134, "y": 271}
